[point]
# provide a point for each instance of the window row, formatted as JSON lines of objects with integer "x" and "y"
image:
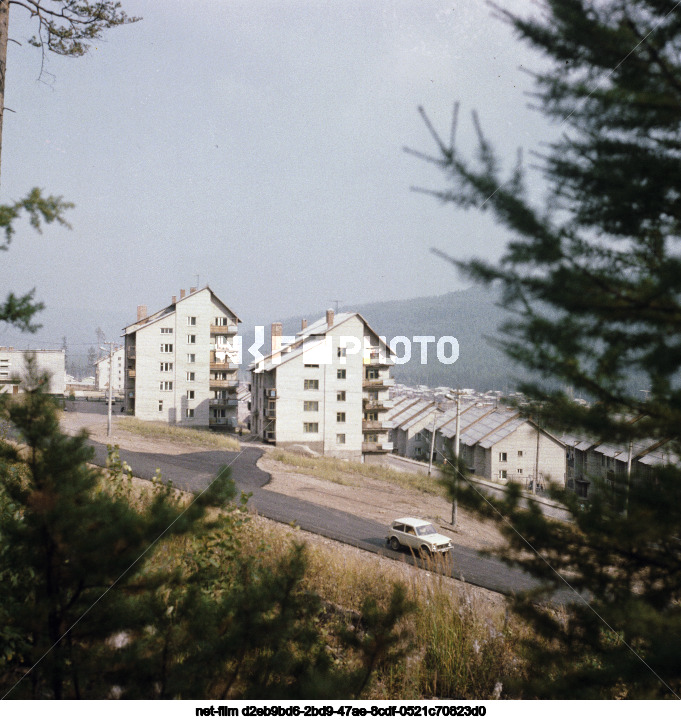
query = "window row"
{"x": 168, "y": 347}
{"x": 503, "y": 456}
{"x": 312, "y": 384}
{"x": 314, "y": 405}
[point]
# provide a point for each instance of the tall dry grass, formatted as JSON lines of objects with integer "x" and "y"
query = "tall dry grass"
{"x": 351, "y": 473}
{"x": 163, "y": 431}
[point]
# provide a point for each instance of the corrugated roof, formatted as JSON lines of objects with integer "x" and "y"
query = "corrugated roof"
{"x": 399, "y": 407}
{"x": 418, "y": 417}
{"x": 488, "y": 424}
{"x": 467, "y": 417}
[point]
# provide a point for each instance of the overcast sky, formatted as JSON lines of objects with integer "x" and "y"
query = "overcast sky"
{"x": 256, "y": 146}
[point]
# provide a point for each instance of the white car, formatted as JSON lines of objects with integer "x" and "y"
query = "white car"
{"x": 420, "y": 535}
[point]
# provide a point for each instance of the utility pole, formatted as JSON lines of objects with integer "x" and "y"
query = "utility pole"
{"x": 457, "y": 441}
{"x": 432, "y": 444}
{"x": 108, "y": 422}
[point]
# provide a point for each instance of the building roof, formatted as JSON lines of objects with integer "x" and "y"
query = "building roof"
{"x": 311, "y": 337}
{"x": 410, "y": 413}
{"x": 486, "y": 426}
{"x": 170, "y": 309}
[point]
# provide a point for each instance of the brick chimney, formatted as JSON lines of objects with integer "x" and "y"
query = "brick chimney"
{"x": 182, "y": 293}
{"x": 174, "y": 299}
{"x": 329, "y": 317}
{"x": 276, "y": 336}
{"x": 192, "y": 290}
{"x": 303, "y": 324}
{"x": 141, "y": 312}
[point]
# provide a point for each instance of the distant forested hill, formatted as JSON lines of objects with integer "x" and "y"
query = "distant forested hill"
{"x": 468, "y": 315}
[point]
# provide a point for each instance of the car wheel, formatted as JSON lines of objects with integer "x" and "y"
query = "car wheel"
{"x": 425, "y": 552}
{"x": 394, "y": 544}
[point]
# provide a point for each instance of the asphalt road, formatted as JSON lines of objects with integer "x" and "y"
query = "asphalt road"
{"x": 194, "y": 471}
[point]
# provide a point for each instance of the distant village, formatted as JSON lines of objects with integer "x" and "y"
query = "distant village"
{"x": 329, "y": 390}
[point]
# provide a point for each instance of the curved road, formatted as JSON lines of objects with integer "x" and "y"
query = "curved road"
{"x": 194, "y": 471}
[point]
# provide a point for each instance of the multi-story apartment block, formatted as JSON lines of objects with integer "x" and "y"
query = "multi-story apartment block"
{"x": 13, "y": 369}
{"x": 102, "y": 373}
{"x": 182, "y": 363}
{"x": 325, "y": 389}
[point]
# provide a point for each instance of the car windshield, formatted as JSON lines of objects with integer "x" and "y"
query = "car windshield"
{"x": 425, "y": 530}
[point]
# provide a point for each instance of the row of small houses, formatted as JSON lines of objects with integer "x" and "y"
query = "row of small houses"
{"x": 498, "y": 444}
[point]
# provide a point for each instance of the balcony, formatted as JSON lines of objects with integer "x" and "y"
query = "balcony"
{"x": 131, "y": 373}
{"x": 378, "y": 382}
{"x": 223, "y": 383}
{"x": 218, "y": 366}
{"x": 229, "y": 329}
{"x": 377, "y": 447}
{"x": 223, "y": 403}
{"x": 130, "y": 351}
{"x": 377, "y": 358}
{"x": 377, "y": 404}
{"x": 376, "y": 426}
{"x": 270, "y": 412}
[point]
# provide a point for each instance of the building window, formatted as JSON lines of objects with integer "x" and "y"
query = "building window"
{"x": 340, "y": 439}
{"x": 371, "y": 437}
{"x": 190, "y": 412}
{"x": 310, "y": 427}
{"x": 520, "y": 454}
{"x": 311, "y": 384}
{"x": 160, "y": 405}
{"x": 341, "y": 373}
{"x": 340, "y": 417}
{"x": 166, "y": 331}
{"x": 191, "y": 376}
{"x": 312, "y": 365}
{"x": 191, "y": 339}
{"x": 520, "y": 471}
{"x": 220, "y": 321}
{"x": 166, "y": 385}
{"x": 190, "y": 395}
{"x": 166, "y": 347}
{"x": 372, "y": 416}
{"x": 191, "y": 320}
{"x": 503, "y": 457}
{"x": 372, "y": 374}
{"x": 340, "y": 395}
{"x": 191, "y": 357}
{"x": 502, "y": 475}
{"x": 342, "y": 352}
{"x": 166, "y": 367}
{"x": 310, "y": 405}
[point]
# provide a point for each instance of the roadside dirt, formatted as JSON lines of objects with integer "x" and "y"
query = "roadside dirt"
{"x": 381, "y": 501}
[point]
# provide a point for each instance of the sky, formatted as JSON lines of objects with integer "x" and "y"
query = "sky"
{"x": 256, "y": 147}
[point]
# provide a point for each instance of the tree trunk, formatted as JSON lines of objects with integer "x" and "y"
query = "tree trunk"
{"x": 4, "y": 25}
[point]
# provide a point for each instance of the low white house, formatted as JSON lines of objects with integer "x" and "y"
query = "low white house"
{"x": 500, "y": 445}
{"x": 13, "y": 369}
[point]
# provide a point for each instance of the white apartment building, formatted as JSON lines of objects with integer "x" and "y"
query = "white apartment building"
{"x": 181, "y": 362}
{"x": 13, "y": 369}
{"x": 117, "y": 372}
{"x": 325, "y": 389}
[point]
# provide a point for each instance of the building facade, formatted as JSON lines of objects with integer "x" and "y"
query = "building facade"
{"x": 181, "y": 363}
{"x": 14, "y": 368}
{"x": 326, "y": 389}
